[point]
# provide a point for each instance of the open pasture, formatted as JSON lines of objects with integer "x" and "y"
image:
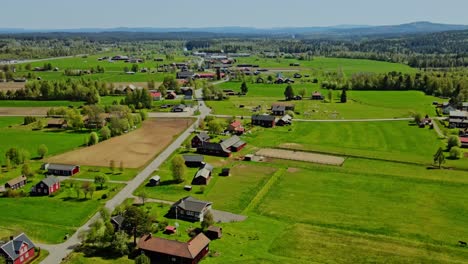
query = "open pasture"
{"x": 134, "y": 149}
{"x": 388, "y": 140}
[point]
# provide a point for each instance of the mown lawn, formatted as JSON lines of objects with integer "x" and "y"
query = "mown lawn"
{"x": 88, "y": 172}
{"x": 392, "y": 140}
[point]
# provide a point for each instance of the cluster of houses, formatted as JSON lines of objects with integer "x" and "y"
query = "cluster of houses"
{"x": 49, "y": 185}
{"x": 459, "y": 119}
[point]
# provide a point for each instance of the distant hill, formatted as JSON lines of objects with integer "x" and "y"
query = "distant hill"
{"x": 340, "y": 30}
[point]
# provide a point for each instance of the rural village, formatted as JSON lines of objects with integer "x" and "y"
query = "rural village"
{"x": 170, "y": 151}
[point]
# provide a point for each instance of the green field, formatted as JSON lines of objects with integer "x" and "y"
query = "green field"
{"x": 44, "y": 218}
{"x": 392, "y": 140}
{"x": 360, "y": 105}
{"x": 24, "y": 137}
{"x": 105, "y": 100}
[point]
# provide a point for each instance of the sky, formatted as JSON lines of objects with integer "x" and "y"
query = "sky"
{"x": 66, "y": 14}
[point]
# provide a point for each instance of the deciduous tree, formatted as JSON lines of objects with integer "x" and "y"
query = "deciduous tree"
{"x": 178, "y": 168}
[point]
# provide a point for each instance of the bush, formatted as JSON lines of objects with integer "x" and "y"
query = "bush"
{"x": 456, "y": 153}
{"x": 93, "y": 139}
{"x": 104, "y": 196}
{"x": 29, "y": 120}
{"x": 453, "y": 141}
{"x": 105, "y": 133}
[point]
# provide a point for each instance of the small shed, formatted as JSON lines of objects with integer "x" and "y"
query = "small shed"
{"x": 225, "y": 172}
{"x": 188, "y": 187}
{"x": 170, "y": 230}
{"x": 214, "y": 232}
{"x": 193, "y": 161}
{"x": 155, "y": 180}
{"x": 248, "y": 157}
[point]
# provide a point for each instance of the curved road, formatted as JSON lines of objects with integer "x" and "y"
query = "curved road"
{"x": 59, "y": 251}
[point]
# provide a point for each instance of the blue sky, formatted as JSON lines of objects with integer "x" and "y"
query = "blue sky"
{"x": 206, "y": 13}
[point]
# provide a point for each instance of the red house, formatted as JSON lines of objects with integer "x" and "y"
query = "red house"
{"x": 18, "y": 250}
{"x": 156, "y": 96}
{"x": 236, "y": 127}
{"x": 47, "y": 186}
{"x": 61, "y": 169}
{"x": 161, "y": 250}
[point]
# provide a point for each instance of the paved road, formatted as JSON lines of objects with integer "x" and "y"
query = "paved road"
{"x": 60, "y": 251}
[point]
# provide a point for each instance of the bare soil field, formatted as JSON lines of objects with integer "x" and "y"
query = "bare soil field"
{"x": 301, "y": 156}
{"x": 134, "y": 149}
{"x": 23, "y": 111}
{"x": 11, "y": 86}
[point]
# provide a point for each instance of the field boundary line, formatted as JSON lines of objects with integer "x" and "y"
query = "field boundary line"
{"x": 264, "y": 190}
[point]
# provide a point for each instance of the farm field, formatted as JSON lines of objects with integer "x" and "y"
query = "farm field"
{"x": 11, "y": 86}
{"x": 348, "y": 66}
{"x": 14, "y": 134}
{"x": 360, "y": 105}
{"x": 140, "y": 145}
{"x": 392, "y": 140}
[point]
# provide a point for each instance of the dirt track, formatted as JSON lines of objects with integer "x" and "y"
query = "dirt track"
{"x": 135, "y": 149}
{"x": 13, "y": 86}
{"x": 301, "y": 156}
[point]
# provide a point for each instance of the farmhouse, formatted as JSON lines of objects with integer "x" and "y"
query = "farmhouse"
{"x": 18, "y": 250}
{"x": 161, "y": 250}
{"x": 236, "y": 128}
{"x": 464, "y": 142}
{"x": 193, "y": 161}
{"x": 157, "y": 96}
{"x": 233, "y": 144}
{"x": 278, "y": 110}
{"x": 190, "y": 209}
{"x": 61, "y": 169}
{"x": 47, "y": 186}
{"x": 317, "y": 96}
{"x": 285, "y": 120}
{"x": 263, "y": 120}
{"x": 16, "y": 183}
{"x": 458, "y": 119}
{"x": 56, "y": 123}
{"x": 203, "y": 175}
{"x": 215, "y": 149}
{"x": 184, "y": 75}
{"x": 198, "y": 139}
{"x": 447, "y": 108}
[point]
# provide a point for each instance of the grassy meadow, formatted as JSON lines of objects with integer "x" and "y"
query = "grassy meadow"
{"x": 360, "y": 105}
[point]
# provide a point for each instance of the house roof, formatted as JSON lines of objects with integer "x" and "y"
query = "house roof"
{"x": 188, "y": 250}
{"x": 278, "y": 108}
{"x": 216, "y": 229}
{"x": 286, "y": 118}
{"x": 203, "y": 172}
{"x": 54, "y": 166}
{"x": 50, "y": 180}
{"x": 316, "y": 93}
{"x": 191, "y": 204}
{"x": 155, "y": 94}
{"x": 16, "y": 180}
{"x": 269, "y": 118}
{"x": 464, "y": 139}
{"x": 193, "y": 158}
{"x": 12, "y": 247}
{"x": 458, "y": 113}
{"x": 236, "y": 124}
{"x": 203, "y": 136}
{"x": 215, "y": 147}
{"x": 118, "y": 219}
{"x": 227, "y": 143}
{"x": 179, "y": 106}
{"x": 465, "y": 104}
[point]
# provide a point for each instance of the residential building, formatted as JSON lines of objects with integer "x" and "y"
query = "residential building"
{"x": 17, "y": 250}
{"x": 16, "y": 183}
{"x": 263, "y": 120}
{"x": 61, "y": 169}
{"x": 161, "y": 250}
{"x": 198, "y": 139}
{"x": 193, "y": 161}
{"x": 203, "y": 175}
{"x": 47, "y": 186}
{"x": 190, "y": 209}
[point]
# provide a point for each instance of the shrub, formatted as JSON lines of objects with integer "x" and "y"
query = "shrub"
{"x": 93, "y": 139}
{"x": 456, "y": 153}
{"x": 104, "y": 196}
{"x": 105, "y": 133}
{"x": 29, "y": 119}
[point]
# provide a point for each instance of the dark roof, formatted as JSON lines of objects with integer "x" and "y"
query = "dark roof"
{"x": 239, "y": 144}
{"x": 64, "y": 167}
{"x": 12, "y": 247}
{"x": 191, "y": 204}
{"x": 193, "y": 158}
{"x": 214, "y": 147}
{"x": 189, "y": 250}
{"x": 278, "y": 108}
{"x": 216, "y": 229}
{"x": 269, "y": 118}
{"x": 203, "y": 136}
{"x": 16, "y": 180}
{"x": 50, "y": 180}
